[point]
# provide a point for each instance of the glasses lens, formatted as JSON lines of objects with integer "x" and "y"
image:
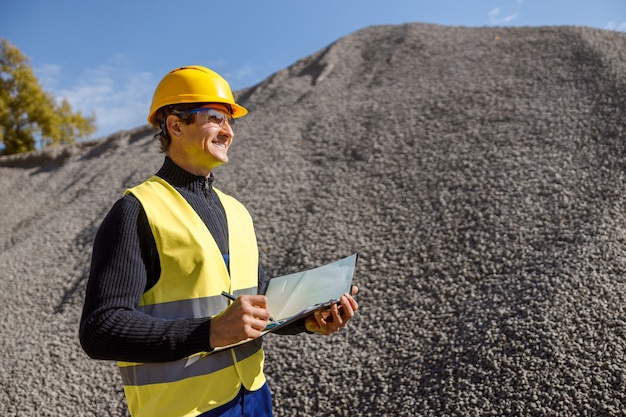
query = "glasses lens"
{"x": 205, "y": 115}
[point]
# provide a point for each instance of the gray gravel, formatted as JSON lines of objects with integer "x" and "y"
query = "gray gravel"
{"x": 480, "y": 174}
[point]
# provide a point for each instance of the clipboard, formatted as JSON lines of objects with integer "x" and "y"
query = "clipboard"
{"x": 295, "y": 296}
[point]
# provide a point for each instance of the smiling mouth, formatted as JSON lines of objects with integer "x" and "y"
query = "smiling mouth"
{"x": 220, "y": 142}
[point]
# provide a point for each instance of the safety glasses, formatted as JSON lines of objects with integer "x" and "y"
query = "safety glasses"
{"x": 206, "y": 115}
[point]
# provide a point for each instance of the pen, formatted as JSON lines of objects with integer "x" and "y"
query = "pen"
{"x": 233, "y": 298}
{"x": 229, "y": 296}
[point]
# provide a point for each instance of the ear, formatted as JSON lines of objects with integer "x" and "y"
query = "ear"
{"x": 173, "y": 126}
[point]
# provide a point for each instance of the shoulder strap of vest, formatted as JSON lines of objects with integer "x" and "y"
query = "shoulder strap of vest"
{"x": 241, "y": 236}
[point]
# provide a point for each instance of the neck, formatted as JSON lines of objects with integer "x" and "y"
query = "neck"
{"x": 186, "y": 163}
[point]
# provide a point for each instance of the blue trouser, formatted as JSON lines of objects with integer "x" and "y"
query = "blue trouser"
{"x": 246, "y": 404}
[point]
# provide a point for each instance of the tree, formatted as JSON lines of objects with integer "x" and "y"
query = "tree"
{"x": 28, "y": 113}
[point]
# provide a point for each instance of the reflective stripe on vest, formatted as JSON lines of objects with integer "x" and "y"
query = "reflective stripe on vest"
{"x": 193, "y": 276}
{"x": 197, "y": 307}
{"x": 177, "y": 370}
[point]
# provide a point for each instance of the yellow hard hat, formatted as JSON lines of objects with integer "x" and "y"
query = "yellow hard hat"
{"x": 193, "y": 84}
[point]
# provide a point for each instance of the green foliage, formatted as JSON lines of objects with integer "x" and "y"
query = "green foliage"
{"x": 28, "y": 113}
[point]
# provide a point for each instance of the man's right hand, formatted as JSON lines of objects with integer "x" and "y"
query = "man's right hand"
{"x": 244, "y": 319}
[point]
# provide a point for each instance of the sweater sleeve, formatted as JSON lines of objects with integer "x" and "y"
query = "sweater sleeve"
{"x": 124, "y": 264}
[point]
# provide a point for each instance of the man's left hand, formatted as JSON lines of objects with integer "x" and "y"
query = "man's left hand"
{"x": 337, "y": 316}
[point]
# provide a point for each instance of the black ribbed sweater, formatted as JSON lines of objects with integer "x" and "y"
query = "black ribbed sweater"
{"x": 125, "y": 264}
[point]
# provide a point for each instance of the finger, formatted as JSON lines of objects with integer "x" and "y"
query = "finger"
{"x": 321, "y": 320}
{"x": 262, "y": 314}
{"x": 354, "y": 290}
{"x": 322, "y": 323}
{"x": 255, "y": 300}
{"x": 259, "y": 325}
{"x": 352, "y": 302}
{"x": 347, "y": 310}
{"x": 337, "y": 320}
{"x": 250, "y": 306}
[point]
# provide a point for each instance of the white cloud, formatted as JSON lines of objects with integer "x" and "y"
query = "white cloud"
{"x": 240, "y": 74}
{"x": 118, "y": 96}
{"x": 619, "y": 26}
{"x": 496, "y": 18}
{"x": 48, "y": 75}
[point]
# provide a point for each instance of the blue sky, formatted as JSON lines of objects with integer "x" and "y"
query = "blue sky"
{"x": 106, "y": 57}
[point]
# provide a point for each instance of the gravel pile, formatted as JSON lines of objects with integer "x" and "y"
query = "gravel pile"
{"x": 478, "y": 172}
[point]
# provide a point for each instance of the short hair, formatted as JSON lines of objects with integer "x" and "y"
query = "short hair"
{"x": 179, "y": 110}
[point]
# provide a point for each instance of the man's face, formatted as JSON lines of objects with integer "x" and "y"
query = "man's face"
{"x": 204, "y": 144}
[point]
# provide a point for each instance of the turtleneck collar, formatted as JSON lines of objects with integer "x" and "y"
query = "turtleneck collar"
{"x": 180, "y": 178}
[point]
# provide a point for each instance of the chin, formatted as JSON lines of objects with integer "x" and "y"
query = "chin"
{"x": 219, "y": 163}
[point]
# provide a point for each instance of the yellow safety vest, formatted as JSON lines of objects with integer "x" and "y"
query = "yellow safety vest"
{"x": 193, "y": 276}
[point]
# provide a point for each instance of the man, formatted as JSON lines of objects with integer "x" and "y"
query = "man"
{"x": 161, "y": 259}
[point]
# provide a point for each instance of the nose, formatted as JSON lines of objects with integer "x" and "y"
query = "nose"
{"x": 227, "y": 130}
